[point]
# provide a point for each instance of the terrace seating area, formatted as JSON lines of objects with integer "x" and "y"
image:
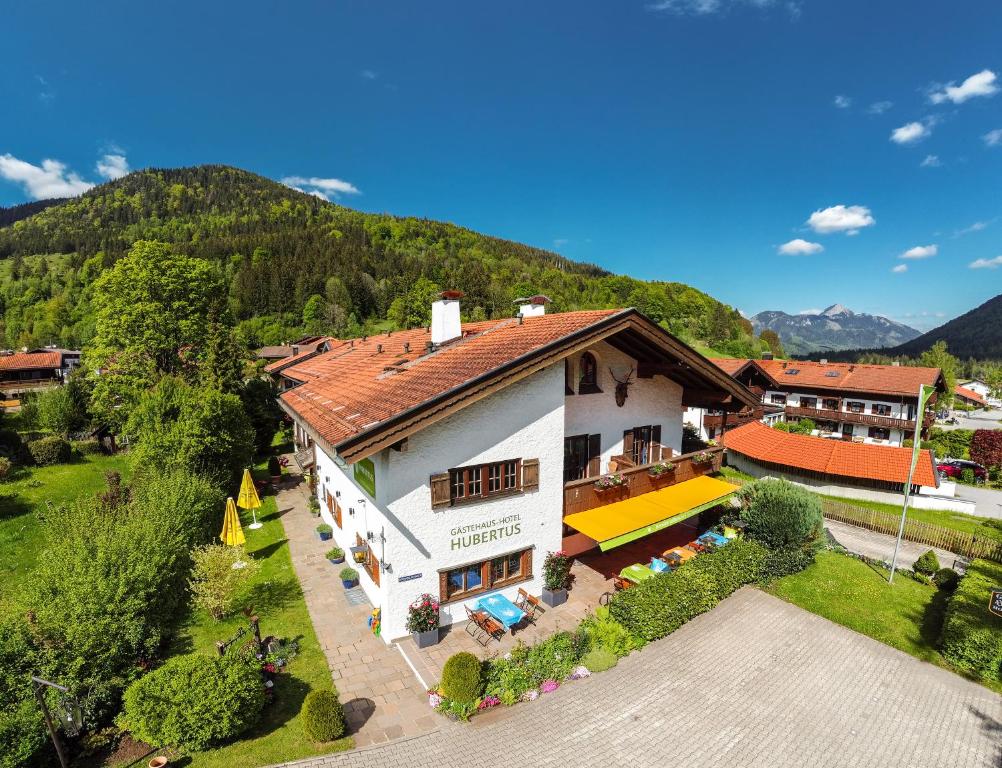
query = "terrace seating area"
{"x": 667, "y": 561}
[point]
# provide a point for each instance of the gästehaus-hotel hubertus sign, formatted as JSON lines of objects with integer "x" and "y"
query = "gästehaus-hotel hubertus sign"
{"x": 471, "y": 535}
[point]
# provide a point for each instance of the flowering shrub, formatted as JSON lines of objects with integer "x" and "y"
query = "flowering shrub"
{"x": 422, "y": 614}
{"x": 579, "y": 673}
{"x": 434, "y": 699}
{"x": 661, "y": 468}
{"x": 488, "y": 701}
{"x": 614, "y": 480}
{"x": 556, "y": 569}
{"x": 549, "y": 686}
{"x": 531, "y": 695}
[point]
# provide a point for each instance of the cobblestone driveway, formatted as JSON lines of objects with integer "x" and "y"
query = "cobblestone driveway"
{"x": 755, "y": 682}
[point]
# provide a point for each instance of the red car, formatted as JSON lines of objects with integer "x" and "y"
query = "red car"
{"x": 954, "y": 468}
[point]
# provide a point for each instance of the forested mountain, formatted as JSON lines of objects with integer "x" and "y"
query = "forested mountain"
{"x": 295, "y": 263}
{"x": 834, "y": 328}
{"x": 17, "y": 212}
{"x": 976, "y": 334}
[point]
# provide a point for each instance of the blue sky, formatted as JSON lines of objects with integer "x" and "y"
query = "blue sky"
{"x": 683, "y": 140}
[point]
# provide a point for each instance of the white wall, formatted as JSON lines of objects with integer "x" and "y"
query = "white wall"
{"x": 657, "y": 400}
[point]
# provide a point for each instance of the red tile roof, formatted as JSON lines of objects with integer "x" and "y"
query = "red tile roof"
{"x": 305, "y": 353}
{"x": 730, "y": 365}
{"x": 831, "y": 457}
{"x": 898, "y": 380}
{"x": 968, "y": 394}
{"x": 23, "y": 361}
{"x": 354, "y": 385}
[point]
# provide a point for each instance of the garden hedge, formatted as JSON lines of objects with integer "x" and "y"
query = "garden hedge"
{"x": 972, "y": 637}
{"x": 323, "y": 716}
{"x": 50, "y": 450}
{"x": 927, "y": 563}
{"x": 658, "y": 606}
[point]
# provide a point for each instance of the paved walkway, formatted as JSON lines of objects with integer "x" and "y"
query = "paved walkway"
{"x": 754, "y": 683}
{"x": 869, "y": 543}
{"x": 383, "y": 699}
{"x": 987, "y": 501}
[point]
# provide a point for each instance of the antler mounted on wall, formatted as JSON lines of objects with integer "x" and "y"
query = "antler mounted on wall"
{"x": 622, "y": 386}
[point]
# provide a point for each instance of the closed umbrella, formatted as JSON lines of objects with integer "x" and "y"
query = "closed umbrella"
{"x": 233, "y": 534}
{"x": 248, "y": 498}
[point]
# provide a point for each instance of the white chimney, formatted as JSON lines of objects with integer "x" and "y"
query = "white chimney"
{"x": 532, "y": 306}
{"x": 824, "y": 361}
{"x": 445, "y": 322}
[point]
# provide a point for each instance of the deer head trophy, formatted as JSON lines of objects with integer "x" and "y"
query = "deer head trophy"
{"x": 622, "y": 386}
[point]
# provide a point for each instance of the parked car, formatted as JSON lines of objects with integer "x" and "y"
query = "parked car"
{"x": 954, "y": 468}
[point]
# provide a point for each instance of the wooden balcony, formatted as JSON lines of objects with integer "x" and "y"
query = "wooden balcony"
{"x": 717, "y": 421}
{"x": 887, "y": 422}
{"x": 581, "y": 495}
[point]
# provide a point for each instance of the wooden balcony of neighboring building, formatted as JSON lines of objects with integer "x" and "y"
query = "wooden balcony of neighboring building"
{"x": 12, "y": 386}
{"x": 851, "y": 417}
{"x": 581, "y": 495}
{"x": 719, "y": 421}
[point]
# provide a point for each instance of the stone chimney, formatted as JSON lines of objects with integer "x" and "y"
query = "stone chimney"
{"x": 445, "y": 322}
{"x": 532, "y": 306}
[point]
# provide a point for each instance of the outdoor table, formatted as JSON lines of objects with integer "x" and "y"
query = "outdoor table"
{"x": 713, "y": 538}
{"x": 659, "y": 566}
{"x": 636, "y": 573}
{"x": 681, "y": 553}
{"x": 502, "y": 609}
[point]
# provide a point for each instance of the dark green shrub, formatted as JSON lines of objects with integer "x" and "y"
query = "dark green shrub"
{"x": 600, "y": 630}
{"x": 780, "y": 514}
{"x": 967, "y": 476}
{"x": 660, "y": 605}
{"x": 274, "y": 467}
{"x": 22, "y": 733}
{"x": 946, "y": 578}
{"x": 599, "y": 660}
{"x": 927, "y": 563}
{"x": 784, "y": 562}
{"x": 972, "y": 637}
{"x": 11, "y": 444}
{"x": 50, "y": 450}
{"x": 88, "y": 447}
{"x": 194, "y": 701}
{"x": 462, "y": 677}
{"x": 322, "y": 716}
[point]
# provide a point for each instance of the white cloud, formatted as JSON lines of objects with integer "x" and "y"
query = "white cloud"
{"x": 931, "y": 161}
{"x": 986, "y": 263}
{"x": 809, "y": 312}
{"x": 112, "y": 166}
{"x": 325, "y": 189}
{"x": 843, "y": 102}
{"x": 920, "y": 252}
{"x": 879, "y": 107}
{"x": 707, "y": 7}
{"x": 560, "y": 242}
{"x": 981, "y": 84}
{"x": 51, "y": 179}
{"x": 909, "y": 133}
{"x": 368, "y": 74}
{"x": 841, "y": 218}
{"x": 800, "y": 247}
{"x": 993, "y": 138}
{"x": 900, "y": 268}
{"x": 975, "y": 227}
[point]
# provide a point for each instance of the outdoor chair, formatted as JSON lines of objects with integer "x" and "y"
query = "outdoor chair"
{"x": 531, "y": 607}
{"x": 472, "y": 620}
{"x": 520, "y": 600}
{"x": 492, "y": 629}
{"x": 620, "y": 583}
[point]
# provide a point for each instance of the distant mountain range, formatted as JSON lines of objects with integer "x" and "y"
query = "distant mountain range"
{"x": 836, "y": 328}
{"x": 976, "y": 334}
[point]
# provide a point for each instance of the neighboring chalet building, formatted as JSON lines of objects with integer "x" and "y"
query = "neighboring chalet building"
{"x": 855, "y": 402}
{"x": 971, "y": 394}
{"x": 34, "y": 370}
{"x": 298, "y": 353}
{"x": 449, "y": 458}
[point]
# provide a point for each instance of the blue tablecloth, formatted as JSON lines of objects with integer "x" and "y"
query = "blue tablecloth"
{"x": 502, "y": 609}
{"x": 658, "y": 565}
{"x": 713, "y": 538}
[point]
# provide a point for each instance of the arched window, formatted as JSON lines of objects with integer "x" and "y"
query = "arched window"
{"x": 589, "y": 375}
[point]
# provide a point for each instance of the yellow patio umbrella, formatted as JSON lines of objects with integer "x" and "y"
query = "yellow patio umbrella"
{"x": 233, "y": 534}
{"x": 248, "y": 498}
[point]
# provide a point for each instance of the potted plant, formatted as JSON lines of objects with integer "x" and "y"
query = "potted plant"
{"x": 349, "y": 577}
{"x": 422, "y": 620}
{"x": 556, "y": 569}
{"x": 703, "y": 457}
{"x": 324, "y": 531}
{"x": 314, "y": 506}
{"x": 275, "y": 469}
{"x": 608, "y": 482}
{"x": 335, "y": 555}
{"x": 660, "y": 469}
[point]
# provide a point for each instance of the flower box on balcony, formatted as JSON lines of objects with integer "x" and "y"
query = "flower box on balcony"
{"x": 661, "y": 469}
{"x": 609, "y": 482}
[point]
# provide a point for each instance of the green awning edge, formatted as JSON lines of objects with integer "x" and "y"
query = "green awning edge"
{"x": 647, "y": 530}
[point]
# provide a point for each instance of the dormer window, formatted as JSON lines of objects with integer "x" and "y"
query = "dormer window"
{"x": 589, "y": 375}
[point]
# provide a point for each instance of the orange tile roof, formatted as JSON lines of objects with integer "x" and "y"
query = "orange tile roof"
{"x": 31, "y": 360}
{"x": 730, "y": 365}
{"x": 968, "y": 394}
{"x": 831, "y": 457}
{"x": 899, "y": 380}
{"x": 354, "y": 386}
{"x": 307, "y": 352}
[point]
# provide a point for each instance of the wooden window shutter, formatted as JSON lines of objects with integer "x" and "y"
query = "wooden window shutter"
{"x": 441, "y": 492}
{"x": 628, "y": 443}
{"x": 530, "y": 474}
{"x": 527, "y": 564}
{"x": 443, "y": 578}
{"x": 655, "y": 453}
{"x": 594, "y": 455}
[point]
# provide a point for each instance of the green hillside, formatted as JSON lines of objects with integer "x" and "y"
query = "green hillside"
{"x": 295, "y": 263}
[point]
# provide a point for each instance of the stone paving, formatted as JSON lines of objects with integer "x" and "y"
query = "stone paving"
{"x": 756, "y": 682}
{"x": 383, "y": 699}
{"x": 863, "y": 541}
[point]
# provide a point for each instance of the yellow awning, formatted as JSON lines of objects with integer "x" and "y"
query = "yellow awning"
{"x": 631, "y": 519}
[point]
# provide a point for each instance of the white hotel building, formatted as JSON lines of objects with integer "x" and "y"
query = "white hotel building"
{"x": 450, "y": 456}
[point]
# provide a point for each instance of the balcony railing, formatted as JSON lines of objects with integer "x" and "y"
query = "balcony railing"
{"x": 581, "y": 495}
{"x": 826, "y": 414}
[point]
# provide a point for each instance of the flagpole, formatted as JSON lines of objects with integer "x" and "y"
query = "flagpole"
{"x": 916, "y": 443}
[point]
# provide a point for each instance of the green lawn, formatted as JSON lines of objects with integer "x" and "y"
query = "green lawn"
{"x": 25, "y": 497}
{"x": 906, "y": 615}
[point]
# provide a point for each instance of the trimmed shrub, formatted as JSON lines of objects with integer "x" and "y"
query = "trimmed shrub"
{"x": 972, "y": 637}
{"x": 600, "y": 630}
{"x": 322, "y": 716}
{"x": 780, "y": 514}
{"x": 5, "y": 467}
{"x": 599, "y": 660}
{"x": 658, "y": 606}
{"x": 274, "y": 467}
{"x": 784, "y": 562}
{"x": 217, "y": 584}
{"x": 194, "y": 701}
{"x": 946, "y": 578}
{"x": 461, "y": 678}
{"x": 11, "y": 444}
{"x": 88, "y": 447}
{"x": 927, "y": 563}
{"x": 50, "y": 450}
